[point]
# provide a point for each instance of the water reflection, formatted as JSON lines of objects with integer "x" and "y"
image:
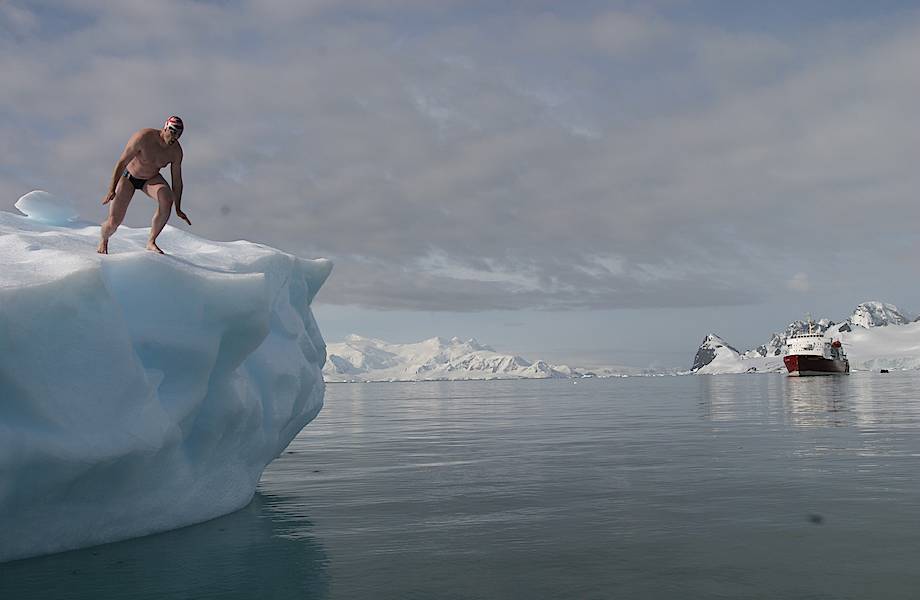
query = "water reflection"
{"x": 888, "y": 400}
{"x": 864, "y": 400}
{"x": 741, "y": 397}
{"x": 257, "y": 552}
{"x": 819, "y": 401}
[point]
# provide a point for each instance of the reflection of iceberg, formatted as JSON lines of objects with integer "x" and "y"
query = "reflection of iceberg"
{"x": 258, "y": 552}
{"x": 138, "y": 392}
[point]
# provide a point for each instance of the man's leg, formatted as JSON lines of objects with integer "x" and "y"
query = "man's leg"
{"x": 118, "y": 207}
{"x": 159, "y": 190}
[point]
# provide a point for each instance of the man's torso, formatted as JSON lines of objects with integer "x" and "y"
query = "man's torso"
{"x": 152, "y": 155}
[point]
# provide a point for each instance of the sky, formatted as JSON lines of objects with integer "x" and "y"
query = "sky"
{"x": 584, "y": 182}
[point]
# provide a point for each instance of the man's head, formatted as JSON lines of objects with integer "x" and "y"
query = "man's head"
{"x": 172, "y": 129}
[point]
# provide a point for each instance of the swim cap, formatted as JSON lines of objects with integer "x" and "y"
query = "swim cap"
{"x": 175, "y": 124}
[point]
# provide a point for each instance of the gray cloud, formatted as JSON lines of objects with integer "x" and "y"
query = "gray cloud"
{"x": 450, "y": 156}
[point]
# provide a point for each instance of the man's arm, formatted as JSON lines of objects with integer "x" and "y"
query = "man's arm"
{"x": 130, "y": 151}
{"x": 175, "y": 171}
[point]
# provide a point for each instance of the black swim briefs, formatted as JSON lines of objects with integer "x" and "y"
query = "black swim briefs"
{"x": 137, "y": 183}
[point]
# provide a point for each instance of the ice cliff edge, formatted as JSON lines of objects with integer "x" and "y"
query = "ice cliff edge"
{"x": 139, "y": 392}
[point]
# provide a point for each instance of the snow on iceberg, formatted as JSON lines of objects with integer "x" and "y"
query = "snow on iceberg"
{"x": 42, "y": 206}
{"x": 140, "y": 392}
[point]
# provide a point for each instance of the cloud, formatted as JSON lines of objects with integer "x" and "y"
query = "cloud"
{"x": 619, "y": 32}
{"x": 799, "y": 283}
{"x": 17, "y": 20}
{"x": 457, "y": 156}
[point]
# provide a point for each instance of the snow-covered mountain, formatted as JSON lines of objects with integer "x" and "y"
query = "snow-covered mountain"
{"x": 714, "y": 350}
{"x": 867, "y": 314}
{"x": 366, "y": 359}
{"x": 877, "y": 335}
{"x": 715, "y": 355}
{"x": 878, "y": 314}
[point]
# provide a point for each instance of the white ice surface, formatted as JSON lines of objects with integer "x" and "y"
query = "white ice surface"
{"x": 42, "y": 206}
{"x": 890, "y": 347}
{"x": 140, "y": 392}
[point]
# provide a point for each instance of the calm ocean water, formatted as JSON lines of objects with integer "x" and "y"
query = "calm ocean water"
{"x": 756, "y": 486}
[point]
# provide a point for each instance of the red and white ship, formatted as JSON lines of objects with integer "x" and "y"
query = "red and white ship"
{"x": 815, "y": 354}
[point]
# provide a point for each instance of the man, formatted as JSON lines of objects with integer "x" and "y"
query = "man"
{"x": 147, "y": 152}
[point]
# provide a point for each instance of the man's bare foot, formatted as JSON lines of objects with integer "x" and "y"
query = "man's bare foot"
{"x": 154, "y": 248}
{"x": 103, "y": 247}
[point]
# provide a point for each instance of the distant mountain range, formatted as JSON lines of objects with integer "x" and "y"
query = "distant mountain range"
{"x": 366, "y": 359}
{"x": 876, "y": 335}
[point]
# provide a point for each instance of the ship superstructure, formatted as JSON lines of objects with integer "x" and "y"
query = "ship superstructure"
{"x": 811, "y": 353}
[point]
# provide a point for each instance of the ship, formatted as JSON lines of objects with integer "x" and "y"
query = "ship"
{"x": 811, "y": 353}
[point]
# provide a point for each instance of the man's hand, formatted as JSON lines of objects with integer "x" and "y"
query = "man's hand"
{"x": 108, "y": 197}
{"x": 183, "y": 216}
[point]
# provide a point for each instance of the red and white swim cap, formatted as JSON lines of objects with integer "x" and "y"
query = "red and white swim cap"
{"x": 175, "y": 124}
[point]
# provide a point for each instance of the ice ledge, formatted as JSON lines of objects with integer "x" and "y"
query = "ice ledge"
{"x": 139, "y": 392}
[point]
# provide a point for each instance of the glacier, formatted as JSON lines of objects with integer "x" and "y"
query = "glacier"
{"x": 141, "y": 392}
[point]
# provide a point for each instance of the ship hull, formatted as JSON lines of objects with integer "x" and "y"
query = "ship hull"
{"x": 800, "y": 365}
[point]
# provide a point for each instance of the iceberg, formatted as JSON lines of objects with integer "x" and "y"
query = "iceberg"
{"x": 139, "y": 392}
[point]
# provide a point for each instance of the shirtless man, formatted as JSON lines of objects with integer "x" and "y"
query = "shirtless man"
{"x": 147, "y": 152}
